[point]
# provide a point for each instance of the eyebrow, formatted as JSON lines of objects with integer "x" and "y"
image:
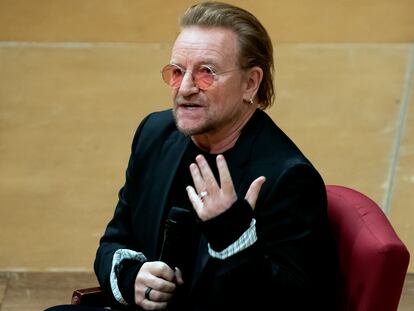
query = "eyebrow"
{"x": 176, "y": 64}
{"x": 207, "y": 62}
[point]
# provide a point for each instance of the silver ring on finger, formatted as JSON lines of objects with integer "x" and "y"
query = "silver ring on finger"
{"x": 203, "y": 194}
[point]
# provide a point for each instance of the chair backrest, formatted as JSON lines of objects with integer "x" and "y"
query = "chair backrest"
{"x": 373, "y": 261}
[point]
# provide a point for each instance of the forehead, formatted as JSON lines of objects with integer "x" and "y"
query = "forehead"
{"x": 197, "y": 44}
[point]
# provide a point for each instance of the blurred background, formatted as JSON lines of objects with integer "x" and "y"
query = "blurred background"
{"x": 76, "y": 78}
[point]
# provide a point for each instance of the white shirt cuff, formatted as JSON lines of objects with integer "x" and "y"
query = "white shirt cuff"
{"x": 248, "y": 238}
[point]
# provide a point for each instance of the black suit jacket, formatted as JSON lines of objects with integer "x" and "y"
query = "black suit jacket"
{"x": 290, "y": 265}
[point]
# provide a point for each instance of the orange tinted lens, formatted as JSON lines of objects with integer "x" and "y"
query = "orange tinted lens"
{"x": 204, "y": 78}
{"x": 172, "y": 75}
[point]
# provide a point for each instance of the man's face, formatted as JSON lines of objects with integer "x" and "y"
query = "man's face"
{"x": 218, "y": 108}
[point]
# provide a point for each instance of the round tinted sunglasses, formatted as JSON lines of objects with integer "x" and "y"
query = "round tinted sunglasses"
{"x": 203, "y": 76}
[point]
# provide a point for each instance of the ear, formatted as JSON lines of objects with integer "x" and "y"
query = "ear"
{"x": 254, "y": 77}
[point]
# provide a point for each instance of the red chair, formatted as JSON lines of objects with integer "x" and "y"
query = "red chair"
{"x": 373, "y": 260}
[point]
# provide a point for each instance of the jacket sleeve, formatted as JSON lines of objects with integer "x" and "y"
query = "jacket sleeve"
{"x": 118, "y": 234}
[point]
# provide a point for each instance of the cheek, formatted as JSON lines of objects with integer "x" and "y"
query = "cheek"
{"x": 230, "y": 95}
{"x": 215, "y": 99}
{"x": 174, "y": 93}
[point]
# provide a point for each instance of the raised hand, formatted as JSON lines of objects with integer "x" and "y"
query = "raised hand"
{"x": 208, "y": 198}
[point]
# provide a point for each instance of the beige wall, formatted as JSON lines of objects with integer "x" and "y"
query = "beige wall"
{"x": 77, "y": 76}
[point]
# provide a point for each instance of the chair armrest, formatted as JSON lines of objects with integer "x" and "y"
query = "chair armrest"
{"x": 93, "y": 296}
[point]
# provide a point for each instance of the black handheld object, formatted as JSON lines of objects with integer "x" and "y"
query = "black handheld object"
{"x": 177, "y": 234}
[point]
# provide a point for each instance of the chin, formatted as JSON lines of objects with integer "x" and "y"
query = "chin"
{"x": 193, "y": 129}
{"x": 188, "y": 131}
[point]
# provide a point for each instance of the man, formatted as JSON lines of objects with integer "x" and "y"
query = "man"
{"x": 254, "y": 235}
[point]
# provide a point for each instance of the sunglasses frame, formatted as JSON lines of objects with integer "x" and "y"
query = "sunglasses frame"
{"x": 170, "y": 67}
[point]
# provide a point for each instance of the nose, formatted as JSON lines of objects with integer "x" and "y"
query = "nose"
{"x": 188, "y": 87}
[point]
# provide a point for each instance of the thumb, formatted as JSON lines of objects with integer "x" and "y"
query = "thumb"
{"x": 254, "y": 189}
{"x": 178, "y": 276}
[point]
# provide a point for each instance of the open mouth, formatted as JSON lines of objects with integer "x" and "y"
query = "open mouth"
{"x": 189, "y": 106}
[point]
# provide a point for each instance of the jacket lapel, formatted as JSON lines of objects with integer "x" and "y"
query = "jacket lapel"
{"x": 170, "y": 157}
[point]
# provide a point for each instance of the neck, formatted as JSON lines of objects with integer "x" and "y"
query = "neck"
{"x": 226, "y": 138}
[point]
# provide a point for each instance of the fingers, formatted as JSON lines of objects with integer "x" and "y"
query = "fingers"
{"x": 225, "y": 178}
{"x": 253, "y": 191}
{"x": 161, "y": 279}
{"x": 153, "y": 305}
{"x": 204, "y": 179}
{"x": 158, "y": 296}
{"x": 202, "y": 175}
{"x": 195, "y": 200}
{"x": 158, "y": 269}
{"x": 179, "y": 276}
